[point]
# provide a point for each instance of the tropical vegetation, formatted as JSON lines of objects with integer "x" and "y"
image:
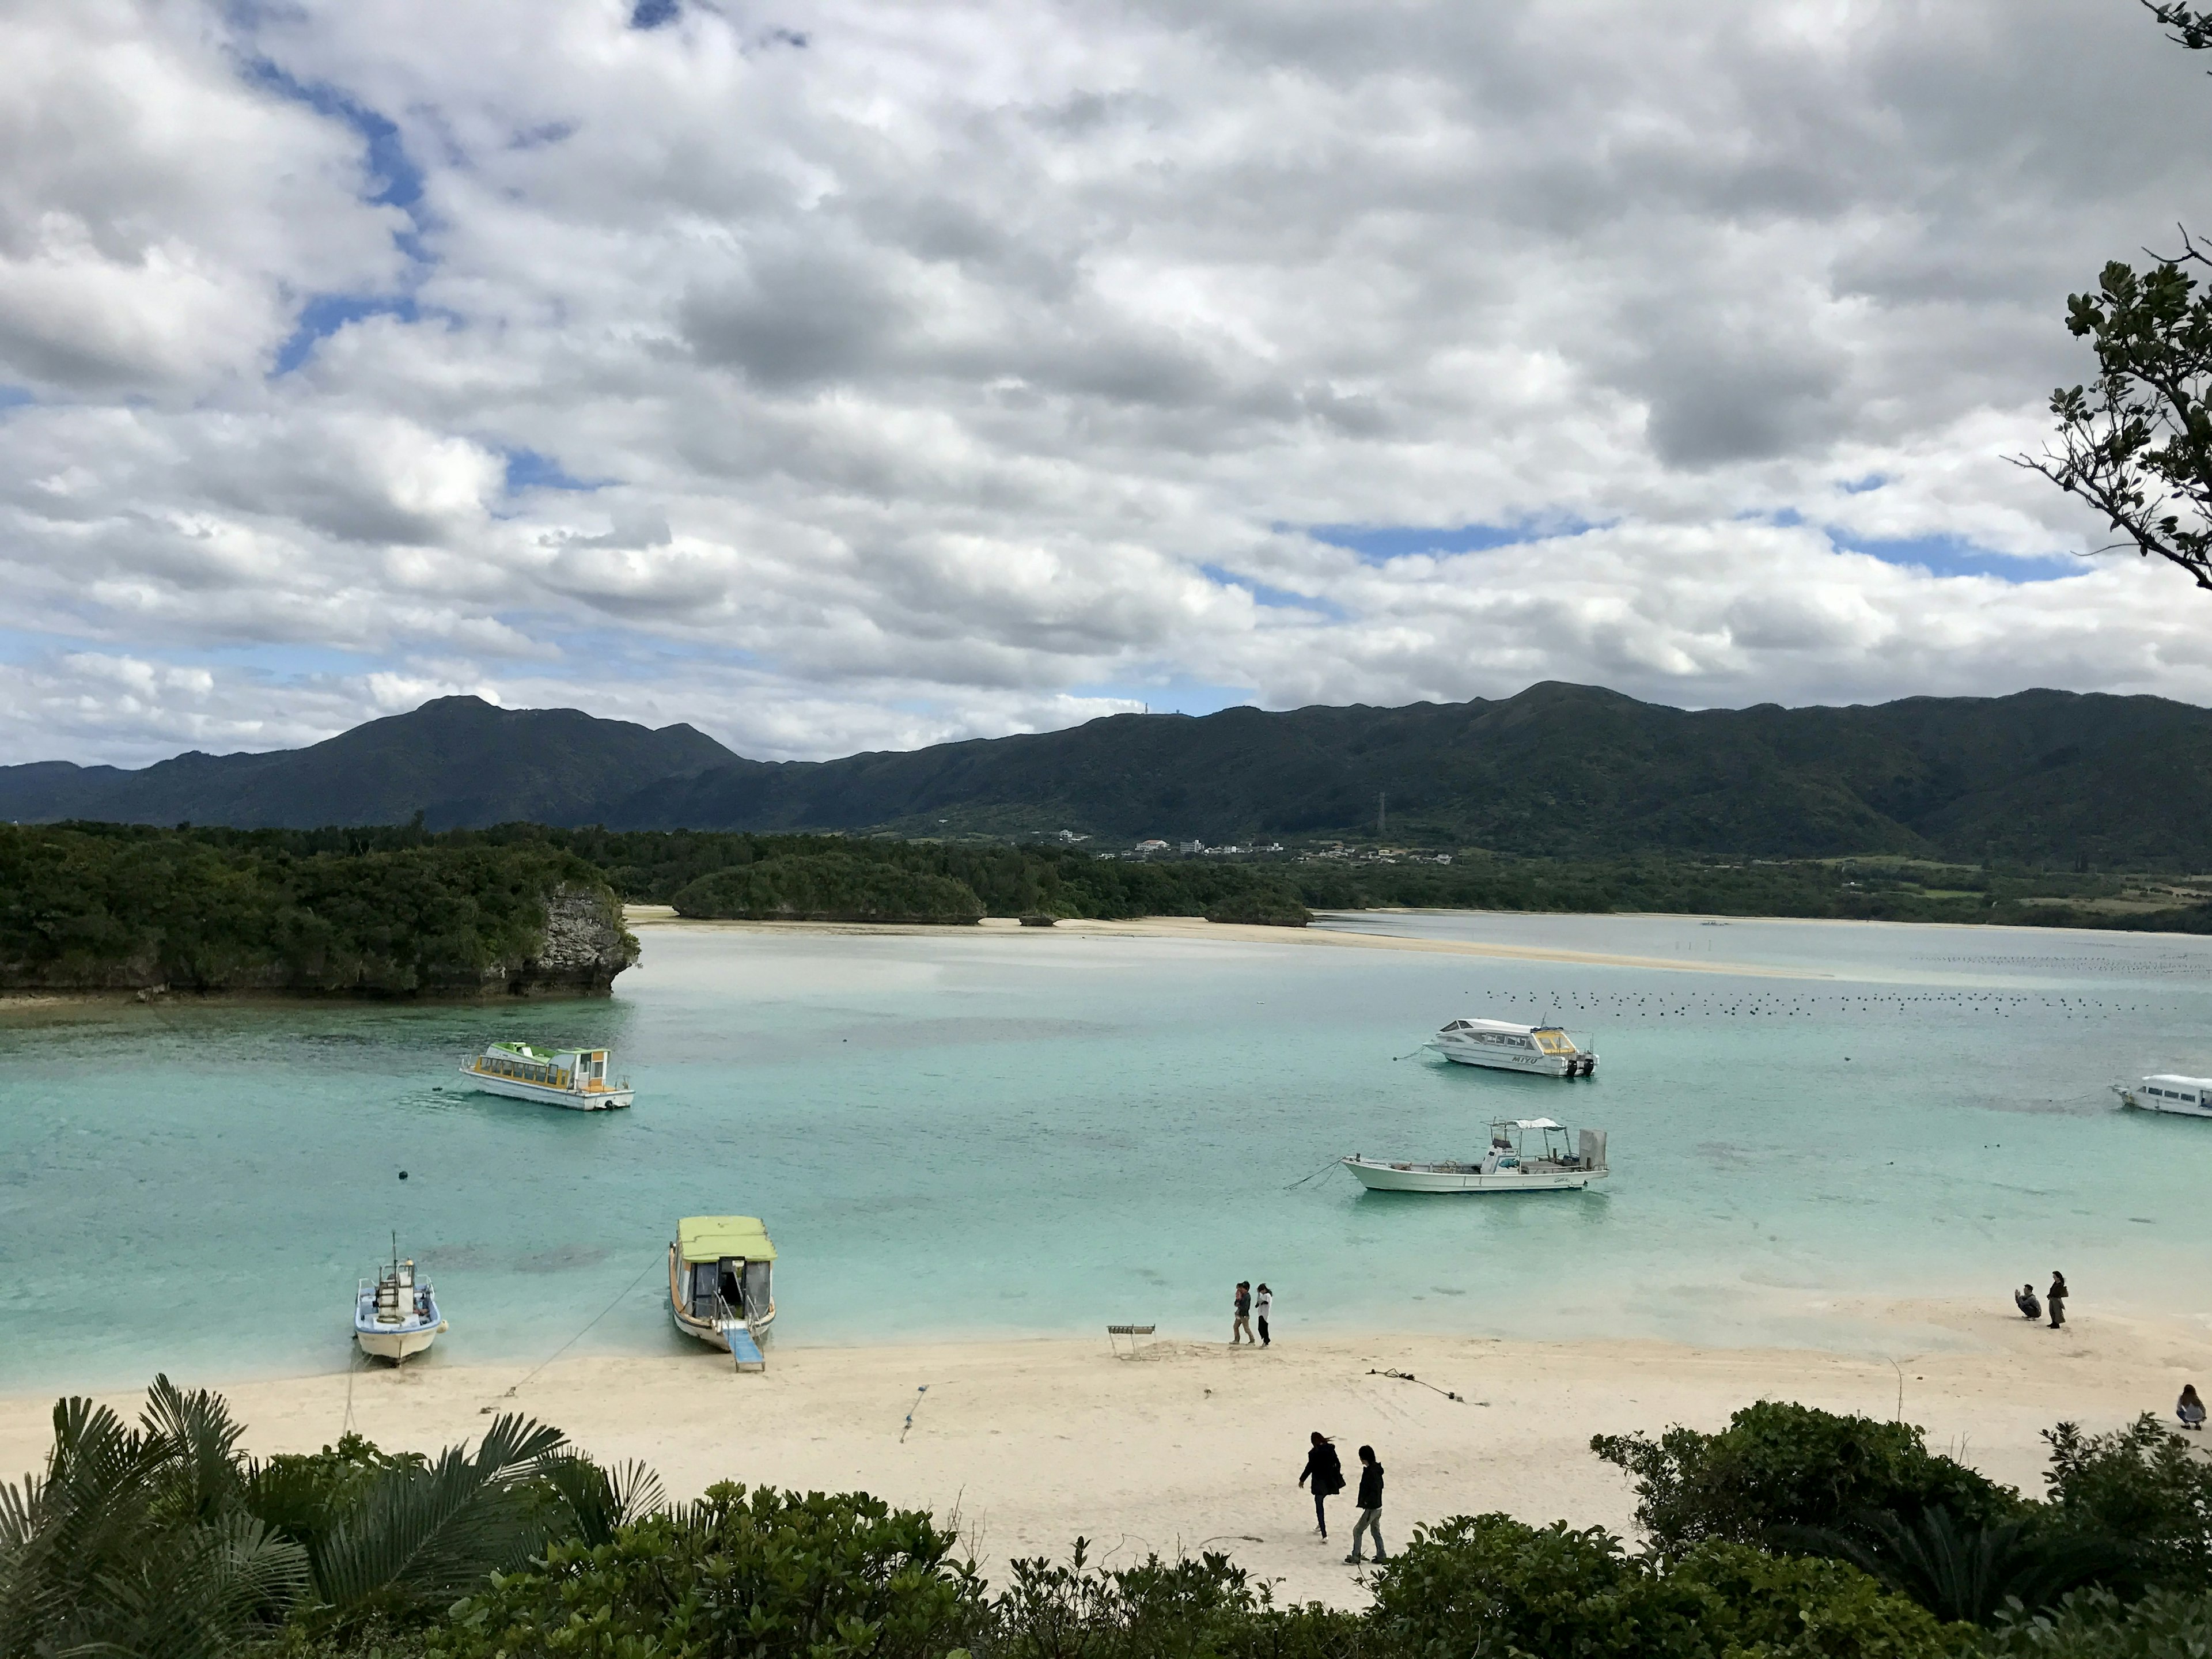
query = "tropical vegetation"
{"x": 123, "y": 907}
{"x": 1791, "y": 1533}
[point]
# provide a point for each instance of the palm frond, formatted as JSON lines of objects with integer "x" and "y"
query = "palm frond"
{"x": 598, "y": 1501}
{"x": 421, "y": 1535}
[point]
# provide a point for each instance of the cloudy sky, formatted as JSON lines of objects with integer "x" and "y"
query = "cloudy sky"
{"x": 839, "y": 375}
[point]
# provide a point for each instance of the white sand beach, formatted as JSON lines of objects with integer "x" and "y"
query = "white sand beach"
{"x": 1194, "y": 1446}
{"x": 1198, "y": 930}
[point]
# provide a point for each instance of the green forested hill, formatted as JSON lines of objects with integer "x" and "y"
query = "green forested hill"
{"x": 1564, "y": 771}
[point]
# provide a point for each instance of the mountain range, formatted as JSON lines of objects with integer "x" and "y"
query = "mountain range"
{"x": 1562, "y": 770}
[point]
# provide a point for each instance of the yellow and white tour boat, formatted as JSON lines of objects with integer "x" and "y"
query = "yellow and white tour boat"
{"x": 575, "y": 1078}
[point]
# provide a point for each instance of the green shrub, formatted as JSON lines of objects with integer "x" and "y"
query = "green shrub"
{"x": 2095, "y": 1624}
{"x": 2140, "y": 1486}
{"x": 760, "y": 1575}
{"x": 827, "y": 887}
{"x": 1778, "y": 1465}
{"x": 1795, "y": 1605}
{"x": 1269, "y": 907}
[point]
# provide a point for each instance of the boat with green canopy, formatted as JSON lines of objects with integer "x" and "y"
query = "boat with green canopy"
{"x": 719, "y": 1288}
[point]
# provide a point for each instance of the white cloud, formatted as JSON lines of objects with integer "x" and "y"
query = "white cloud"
{"x": 959, "y": 369}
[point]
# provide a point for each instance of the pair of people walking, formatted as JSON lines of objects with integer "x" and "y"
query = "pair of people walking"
{"x": 1326, "y": 1471}
{"x": 1248, "y": 1307}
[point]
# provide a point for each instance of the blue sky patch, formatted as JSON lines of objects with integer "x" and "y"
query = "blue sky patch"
{"x": 1861, "y": 486}
{"x": 1176, "y": 696}
{"x": 15, "y": 397}
{"x": 528, "y": 469}
{"x": 1380, "y": 544}
{"x": 652, "y": 13}
{"x": 1953, "y": 556}
{"x": 1274, "y": 598}
{"x": 324, "y": 314}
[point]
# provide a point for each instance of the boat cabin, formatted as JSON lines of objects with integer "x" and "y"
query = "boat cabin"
{"x": 1503, "y": 1034}
{"x": 722, "y": 1269}
{"x": 1542, "y": 1142}
{"x": 559, "y": 1068}
{"x": 2168, "y": 1089}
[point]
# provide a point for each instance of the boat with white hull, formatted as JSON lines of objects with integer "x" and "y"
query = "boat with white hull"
{"x": 575, "y": 1078}
{"x": 720, "y": 1285}
{"x": 1526, "y": 1155}
{"x": 1546, "y": 1050}
{"x": 2184, "y": 1096}
{"x": 395, "y": 1315}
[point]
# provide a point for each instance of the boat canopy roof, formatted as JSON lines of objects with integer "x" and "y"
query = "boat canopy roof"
{"x": 1533, "y": 1123}
{"x": 523, "y": 1050}
{"x": 2186, "y": 1082}
{"x": 714, "y": 1237}
{"x": 1495, "y": 1025}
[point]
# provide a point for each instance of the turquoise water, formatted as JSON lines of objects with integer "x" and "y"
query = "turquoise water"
{"x": 1001, "y": 1133}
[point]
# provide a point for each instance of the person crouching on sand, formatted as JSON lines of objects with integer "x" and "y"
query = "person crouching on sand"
{"x": 2189, "y": 1409}
{"x": 1241, "y": 1331}
{"x": 1326, "y": 1473}
{"x": 2024, "y": 1299}
{"x": 1370, "y": 1506}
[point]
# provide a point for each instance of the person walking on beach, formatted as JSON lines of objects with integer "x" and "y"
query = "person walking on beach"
{"x": 1266, "y": 1300}
{"x": 1370, "y": 1506}
{"x": 1324, "y": 1469}
{"x": 1241, "y": 1330}
{"x": 2189, "y": 1409}
{"x": 2056, "y": 1297}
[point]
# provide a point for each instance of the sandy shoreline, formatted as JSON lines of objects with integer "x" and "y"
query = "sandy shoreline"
{"x": 1198, "y": 930}
{"x": 1194, "y": 1445}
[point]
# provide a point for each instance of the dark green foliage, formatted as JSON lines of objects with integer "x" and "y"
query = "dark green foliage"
{"x": 1779, "y": 1465}
{"x": 1971, "y": 1574}
{"x": 828, "y": 886}
{"x": 1269, "y": 907}
{"x": 2097, "y": 1624}
{"x": 1490, "y": 1584}
{"x": 2141, "y": 1486}
{"x": 763, "y": 1575}
{"x": 132, "y": 1540}
{"x": 1203, "y": 1609}
{"x": 94, "y": 906}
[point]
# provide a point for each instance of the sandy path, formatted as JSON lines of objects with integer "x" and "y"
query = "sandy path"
{"x": 1196, "y": 1445}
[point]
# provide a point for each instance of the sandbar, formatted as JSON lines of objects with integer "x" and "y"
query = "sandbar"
{"x": 1198, "y": 930}
{"x": 1193, "y": 1445}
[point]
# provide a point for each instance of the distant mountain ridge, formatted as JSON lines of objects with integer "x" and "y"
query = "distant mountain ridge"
{"x": 1558, "y": 769}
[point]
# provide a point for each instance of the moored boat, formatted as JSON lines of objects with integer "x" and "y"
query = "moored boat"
{"x": 1525, "y": 1155}
{"x": 1547, "y": 1050}
{"x": 575, "y": 1078}
{"x": 2185, "y": 1096}
{"x": 720, "y": 1285}
{"x": 395, "y": 1315}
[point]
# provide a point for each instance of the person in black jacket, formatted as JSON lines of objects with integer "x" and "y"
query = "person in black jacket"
{"x": 1326, "y": 1473}
{"x": 1370, "y": 1506}
{"x": 2056, "y": 1297}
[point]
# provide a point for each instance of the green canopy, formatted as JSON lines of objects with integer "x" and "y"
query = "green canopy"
{"x": 712, "y": 1237}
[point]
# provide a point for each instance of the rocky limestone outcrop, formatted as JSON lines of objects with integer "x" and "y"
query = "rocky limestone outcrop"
{"x": 584, "y": 945}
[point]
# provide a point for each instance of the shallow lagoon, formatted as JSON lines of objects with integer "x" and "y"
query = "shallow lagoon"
{"x": 985, "y": 1131}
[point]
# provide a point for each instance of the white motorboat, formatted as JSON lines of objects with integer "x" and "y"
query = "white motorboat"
{"x": 396, "y": 1315}
{"x": 1544, "y": 1050}
{"x": 1526, "y": 1155}
{"x": 2186, "y": 1096}
{"x": 575, "y": 1078}
{"x": 718, "y": 1283}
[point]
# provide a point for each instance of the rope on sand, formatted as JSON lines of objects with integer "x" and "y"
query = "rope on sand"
{"x": 1408, "y": 1377}
{"x": 911, "y": 1410}
{"x": 485, "y": 1411}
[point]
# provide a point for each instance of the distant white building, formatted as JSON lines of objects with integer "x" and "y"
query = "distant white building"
{"x": 1151, "y": 847}
{"x": 1194, "y": 847}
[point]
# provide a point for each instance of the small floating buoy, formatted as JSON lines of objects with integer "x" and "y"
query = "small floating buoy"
{"x": 403, "y": 1174}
